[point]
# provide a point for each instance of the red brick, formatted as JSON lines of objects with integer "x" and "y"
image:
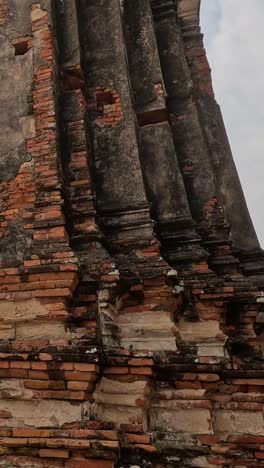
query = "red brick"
{"x": 88, "y": 463}
{"x": 38, "y": 375}
{"x": 52, "y": 453}
{"x": 45, "y": 357}
{"x": 86, "y": 367}
{"x": 65, "y": 366}
{"x": 140, "y": 362}
{"x": 209, "y": 439}
{"x": 5, "y": 414}
{"x": 14, "y": 442}
{"x": 31, "y": 433}
{"x": 138, "y": 438}
{"x": 116, "y": 370}
{"x": 19, "y": 365}
{"x": 39, "y": 366}
{"x": 45, "y": 384}
{"x": 141, "y": 370}
{"x": 4, "y": 365}
{"x": 146, "y": 448}
{"x": 76, "y": 375}
{"x": 64, "y": 395}
{"x": 78, "y": 385}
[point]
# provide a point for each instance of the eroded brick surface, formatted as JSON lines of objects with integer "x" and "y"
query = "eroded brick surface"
{"x": 108, "y": 106}
{"x": 3, "y": 12}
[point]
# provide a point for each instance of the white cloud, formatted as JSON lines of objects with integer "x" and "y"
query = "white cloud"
{"x": 234, "y": 37}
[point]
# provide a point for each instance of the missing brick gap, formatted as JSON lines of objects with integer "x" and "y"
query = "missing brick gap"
{"x": 71, "y": 79}
{"x": 22, "y": 45}
{"x": 105, "y": 98}
{"x": 233, "y": 314}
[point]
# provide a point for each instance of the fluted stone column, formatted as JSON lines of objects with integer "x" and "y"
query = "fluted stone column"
{"x": 67, "y": 32}
{"x": 227, "y": 179}
{"x": 244, "y": 238}
{"x": 243, "y": 233}
{"x": 158, "y": 158}
{"x": 189, "y": 139}
{"x": 120, "y": 194}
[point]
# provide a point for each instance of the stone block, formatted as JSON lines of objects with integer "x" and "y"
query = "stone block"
{"x": 118, "y": 401}
{"x": 214, "y": 350}
{"x": 120, "y": 414}
{"x": 108, "y": 386}
{"x": 12, "y": 388}
{"x": 28, "y": 127}
{"x": 199, "y": 331}
{"x": 37, "y": 13}
{"x": 201, "y": 462}
{"x": 21, "y": 310}
{"x": 48, "y": 413}
{"x": 7, "y": 331}
{"x": 238, "y": 422}
{"x": 196, "y": 421}
{"x": 40, "y": 330}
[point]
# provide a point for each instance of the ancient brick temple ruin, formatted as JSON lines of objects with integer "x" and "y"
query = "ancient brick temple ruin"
{"x": 131, "y": 277}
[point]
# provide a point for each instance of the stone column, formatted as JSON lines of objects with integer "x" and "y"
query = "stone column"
{"x": 227, "y": 179}
{"x": 189, "y": 139}
{"x": 243, "y": 232}
{"x": 120, "y": 194}
{"x": 230, "y": 192}
{"x": 67, "y": 32}
{"x": 158, "y": 158}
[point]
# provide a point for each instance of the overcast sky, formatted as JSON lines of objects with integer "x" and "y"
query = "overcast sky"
{"x": 234, "y": 38}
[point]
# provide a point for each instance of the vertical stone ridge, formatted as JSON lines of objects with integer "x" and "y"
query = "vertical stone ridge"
{"x": 122, "y": 206}
{"x": 175, "y": 227}
{"x": 118, "y": 180}
{"x": 190, "y": 142}
{"x": 244, "y": 238}
{"x": 106, "y": 359}
{"x": 89, "y": 324}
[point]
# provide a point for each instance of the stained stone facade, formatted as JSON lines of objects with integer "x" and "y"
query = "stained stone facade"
{"x": 131, "y": 276}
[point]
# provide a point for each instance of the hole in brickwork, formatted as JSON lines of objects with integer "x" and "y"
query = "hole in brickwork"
{"x": 105, "y": 99}
{"x": 71, "y": 79}
{"x": 233, "y": 314}
{"x": 258, "y": 324}
{"x": 22, "y": 46}
{"x": 152, "y": 117}
{"x": 106, "y": 106}
{"x": 258, "y": 328}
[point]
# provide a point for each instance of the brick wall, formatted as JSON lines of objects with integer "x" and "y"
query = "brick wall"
{"x": 109, "y": 357}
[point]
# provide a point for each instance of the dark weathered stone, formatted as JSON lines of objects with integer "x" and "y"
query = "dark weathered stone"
{"x": 159, "y": 162}
{"x": 229, "y": 190}
{"x": 15, "y": 246}
{"x": 189, "y": 140}
{"x": 16, "y": 73}
{"x": 68, "y": 32}
{"x": 108, "y": 357}
{"x": 116, "y": 166}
